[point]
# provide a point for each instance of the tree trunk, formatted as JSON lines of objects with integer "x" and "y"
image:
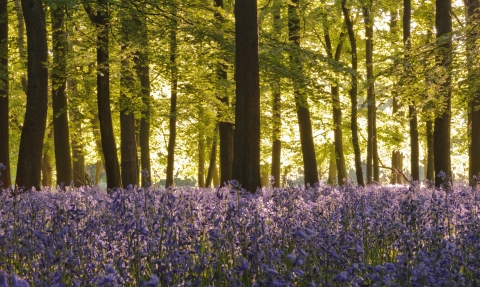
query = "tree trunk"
{"x": 61, "y": 136}
{"x": 246, "y": 148}
{"x": 33, "y": 132}
{"x": 5, "y": 177}
{"x": 430, "y": 155}
{"x": 473, "y": 18}
{"x": 128, "y": 146}
{"x": 441, "y": 133}
{"x": 173, "y": 103}
{"x": 301, "y": 102}
{"x": 332, "y": 168}
{"x": 276, "y": 107}
{"x": 78, "y": 152}
{"x": 143, "y": 73}
{"x": 213, "y": 160}
{"x": 102, "y": 21}
{"x": 353, "y": 96}
{"x": 201, "y": 160}
{"x": 47, "y": 167}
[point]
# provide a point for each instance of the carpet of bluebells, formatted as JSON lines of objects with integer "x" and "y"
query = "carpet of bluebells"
{"x": 319, "y": 236}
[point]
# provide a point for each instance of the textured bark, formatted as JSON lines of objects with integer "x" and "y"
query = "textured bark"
{"x": 225, "y": 127}
{"x": 473, "y": 17}
{"x": 5, "y": 177}
{"x": 173, "y": 104}
{"x": 33, "y": 132}
{"x": 441, "y": 133}
{"x": 276, "y": 107}
{"x": 101, "y": 19}
{"x": 61, "y": 136}
{"x": 310, "y": 168}
{"x": 246, "y": 149}
{"x": 353, "y": 96}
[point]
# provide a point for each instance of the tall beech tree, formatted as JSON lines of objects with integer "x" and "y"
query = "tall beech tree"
{"x": 301, "y": 101}
{"x": 61, "y": 135}
{"x": 473, "y": 17}
{"x": 128, "y": 145}
{"x": 5, "y": 177}
{"x": 246, "y": 148}
{"x": 173, "y": 99}
{"x": 276, "y": 105}
{"x": 441, "y": 131}
{"x": 353, "y": 94}
{"x": 100, "y": 17}
{"x": 224, "y": 126}
{"x": 412, "y": 113}
{"x": 33, "y": 131}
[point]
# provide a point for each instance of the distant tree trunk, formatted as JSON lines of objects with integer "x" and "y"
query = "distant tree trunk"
{"x": 213, "y": 160}
{"x": 128, "y": 146}
{"x": 143, "y": 72}
{"x": 301, "y": 102}
{"x": 61, "y": 136}
{"x": 473, "y": 18}
{"x": 33, "y": 132}
{"x": 441, "y": 132}
{"x": 201, "y": 161}
{"x": 276, "y": 107}
{"x": 5, "y": 176}
{"x": 332, "y": 168}
{"x": 78, "y": 152}
{"x": 430, "y": 154}
{"x": 101, "y": 19}
{"x": 353, "y": 96}
{"x": 225, "y": 127}
{"x": 372, "y": 153}
{"x": 246, "y": 153}
{"x": 337, "y": 111}
{"x": 173, "y": 103}
{"x": 47, "y": 167}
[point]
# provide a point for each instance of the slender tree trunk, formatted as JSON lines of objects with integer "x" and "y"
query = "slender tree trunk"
{"x": 430, "y": 154}
{"x": 332, "y": 168}
{"x": 201, "y": 160}
{"x": 310, "y": 168}
{"x": 61, "y": 136}
{"x": 276, "y": 107}
{"x": 213, "y": 160}
{"x": 473, "y": 17}
{"x": 246, "y": 153}
{"x": 102, "y": 20}
{"x": 5, "y": 176}
{"x": 225, "y": 127}
{"x": 441, "y": 133}
{"x": 33, "y": 132}
{"x": 143, "y": 73}
{"x": 78, "y": 152}
{"x": 173, "y": 103}
{"x": 47, "y": 167}
{"x": 353, "y": 96}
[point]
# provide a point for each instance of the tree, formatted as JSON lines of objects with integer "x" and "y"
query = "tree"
{"x": 301, "y": 102}
{"x": 173, "y": 100}
{"x": 61, "y": 135}
{"x": 353, "y": 94}
{"x": 246, "y": 148}
{"x": 473, "y": 17}
{"x": 441, "y": 131}
{"x": 5, "y": 177}
{"x": 33, "y": 132}
{"x": 276, "y": 106}
{"x": 101, "y": 19}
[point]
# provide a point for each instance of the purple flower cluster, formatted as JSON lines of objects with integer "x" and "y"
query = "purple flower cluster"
{"x": 320, "y": 236}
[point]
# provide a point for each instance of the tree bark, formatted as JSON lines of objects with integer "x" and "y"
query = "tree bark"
{"x": 353, "y": 96}
{"x": 47, "y": 167}
{"x": 441, "y": 133}
{"x": 310, "y": 168}
{"x": 276, "y": 107}
{"x": 473, "y": 17}
{"x": 33, "y": 132}
{"x": 246, "y": 148}
{"x": 173, "y": 103}
{"x": 5, "y": 177}
{"x": 61, "y": 136}
{"x": 101, "y": 19}
{"x": 213, "y": 160}
{"x": 430, "y": 154}
{"x": 201, "y": 160}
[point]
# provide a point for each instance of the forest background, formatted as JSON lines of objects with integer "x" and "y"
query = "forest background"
{"x": 376, "y": 91}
